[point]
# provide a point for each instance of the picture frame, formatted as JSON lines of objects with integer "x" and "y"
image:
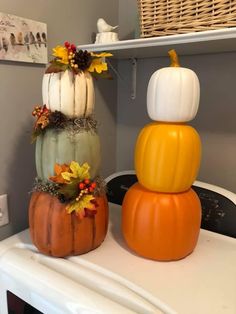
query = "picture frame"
{"x": 22, "y": 39}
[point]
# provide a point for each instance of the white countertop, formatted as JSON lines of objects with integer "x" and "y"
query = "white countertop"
{"x": 112, "y": 279}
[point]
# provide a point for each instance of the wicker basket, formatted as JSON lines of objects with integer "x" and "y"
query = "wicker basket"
{"x": 169, "y": 17}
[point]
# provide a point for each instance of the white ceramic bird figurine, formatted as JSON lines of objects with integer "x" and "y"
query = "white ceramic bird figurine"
{"x": 104, "y": 27}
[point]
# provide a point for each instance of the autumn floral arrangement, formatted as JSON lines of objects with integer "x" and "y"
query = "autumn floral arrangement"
{"x": 67, "y": 57}
{"x": 47, "y": 119}
{"x": 73, "y": 186}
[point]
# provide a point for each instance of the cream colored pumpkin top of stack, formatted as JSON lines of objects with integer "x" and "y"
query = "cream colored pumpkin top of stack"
{"x": 173, "y": 93}
{"x": 71, "y": 94}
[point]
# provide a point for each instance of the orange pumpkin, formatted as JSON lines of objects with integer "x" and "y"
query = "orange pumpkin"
{"x": 57, "y": 233}
{"x": 161, "y": 226}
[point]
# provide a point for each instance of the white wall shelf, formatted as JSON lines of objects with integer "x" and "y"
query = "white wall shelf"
{"x": 215, "y": 41}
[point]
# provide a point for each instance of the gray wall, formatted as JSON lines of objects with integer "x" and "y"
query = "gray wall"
{"x": 128, "y": 19}
{"x": 20, "y": 90}
{"x": 216, "y": 117}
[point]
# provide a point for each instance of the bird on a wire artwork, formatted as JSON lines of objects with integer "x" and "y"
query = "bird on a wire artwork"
{"x": 22, "y": 39}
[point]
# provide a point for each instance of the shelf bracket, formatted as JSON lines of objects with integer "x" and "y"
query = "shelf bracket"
{"x": 134, "y": 78}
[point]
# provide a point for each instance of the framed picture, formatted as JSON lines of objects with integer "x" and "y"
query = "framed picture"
{"x": 22, "y": 39}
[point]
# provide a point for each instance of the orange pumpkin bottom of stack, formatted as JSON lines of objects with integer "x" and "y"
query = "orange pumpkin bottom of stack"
{"x": 161, "y": 226}
{"x": 55, "y": 232}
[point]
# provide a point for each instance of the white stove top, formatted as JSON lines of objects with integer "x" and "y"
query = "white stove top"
{"x": 112, "y": 279}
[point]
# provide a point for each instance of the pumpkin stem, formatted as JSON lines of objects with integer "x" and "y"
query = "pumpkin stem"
{"x": 174, "y": 60}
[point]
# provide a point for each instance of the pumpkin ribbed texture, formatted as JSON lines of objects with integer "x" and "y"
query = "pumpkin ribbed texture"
{"x": 71, "y": 94}
{"x": 60, "y": 146}
{"x": 55, "y": 232}
{"x": 167, "y": 157}
{"x": 161, "y": 226}
{"x": 173, "y": 95}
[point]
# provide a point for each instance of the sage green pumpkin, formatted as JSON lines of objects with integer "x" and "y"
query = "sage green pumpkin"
{"x": 60, "y": 146}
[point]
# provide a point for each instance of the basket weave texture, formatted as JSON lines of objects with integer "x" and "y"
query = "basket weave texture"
{"x": 169, "y": 17}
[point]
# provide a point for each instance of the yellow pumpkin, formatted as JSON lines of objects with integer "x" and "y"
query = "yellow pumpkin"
{"x": 167, "y": 157}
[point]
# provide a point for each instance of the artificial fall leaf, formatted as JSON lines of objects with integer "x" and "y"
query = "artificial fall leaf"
{"x": 97, "y": 65}
{"x": 53, "y": 69}
{"x": 85, "y": 202}
{"x": 101, "y": 55}
{"x": 79, "y": 206}
{"x": 73, "y": 206}
{"x": 56, "y": 67}
{"x": 61, "y": 53}
{"x": 57, "y": 179}
{"x": 70, "y": 191}
{"x": 76, "y": 171}
{"x": 58, "y": 169}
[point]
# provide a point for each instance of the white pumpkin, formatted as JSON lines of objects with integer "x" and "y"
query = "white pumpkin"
{"x": 173, "y": 94}
{"x": 71, "y": 94}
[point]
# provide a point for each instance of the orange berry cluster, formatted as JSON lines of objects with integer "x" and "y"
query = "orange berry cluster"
{"x": 85, "y": 187}
{"x": 40, "y": 110}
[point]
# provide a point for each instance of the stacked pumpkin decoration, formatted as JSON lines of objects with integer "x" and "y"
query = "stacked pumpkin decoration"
{"x": 68, "y": 212}
{"x": 161, "y": 214}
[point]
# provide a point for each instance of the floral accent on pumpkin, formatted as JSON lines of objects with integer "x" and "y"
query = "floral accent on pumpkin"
{"x": 42, "y": 113}
{"x": 101, "y": 55}
{"x": 61, "y": 54}
{"x": 76, "y": 171}
{"x": 82, "y": 59}
{"x": 59, "y": 169}
{"x": 84, "y": 207}
{"x": 76, "y": 187}
{"x": 57, "y": 120}
{"x": 68, "y": 58}
{"x": 98, "y": 63}
{"x": 53, "y": 188}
